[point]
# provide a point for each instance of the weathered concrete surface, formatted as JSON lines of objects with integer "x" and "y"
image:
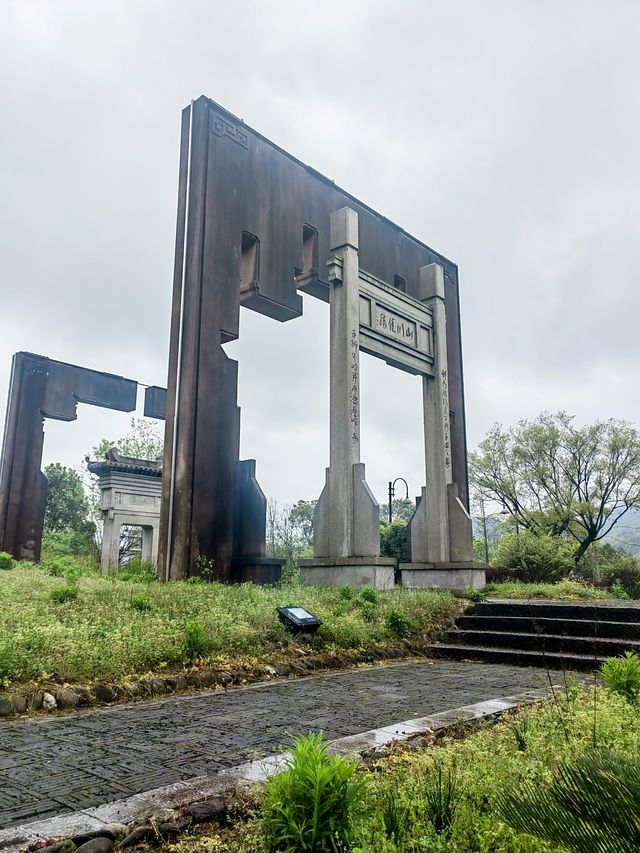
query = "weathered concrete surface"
{"x": 456, "y": 577}
{"x": 378, "y": 572}
{"x": 55, "y": 765}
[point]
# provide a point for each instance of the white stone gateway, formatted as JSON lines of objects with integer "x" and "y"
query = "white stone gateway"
{"x": 130, "y": 494}
{"x": 411, "y": 334}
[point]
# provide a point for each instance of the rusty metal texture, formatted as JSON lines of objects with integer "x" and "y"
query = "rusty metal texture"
{"x": 43, "y": 388}
{"x": 257, "y": 232}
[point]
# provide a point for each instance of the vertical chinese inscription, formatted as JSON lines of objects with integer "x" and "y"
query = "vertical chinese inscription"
{"x": 355, "y": 387}
{"x": 444, "y": 385}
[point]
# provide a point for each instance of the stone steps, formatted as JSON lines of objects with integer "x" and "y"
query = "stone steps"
{"x": 553, "y": 634}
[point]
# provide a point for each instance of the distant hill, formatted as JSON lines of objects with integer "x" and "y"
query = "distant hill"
{"x": 626, "y": 533}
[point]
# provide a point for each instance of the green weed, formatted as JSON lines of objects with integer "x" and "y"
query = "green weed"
{"x": 64, "y": 593}
{"x": 312, "y": 804}
{"x": 397, "y": 623}
{"x": 140, "y": 601}
{"x": 370, "y": 595}
{"x": 622, "y": 675}
{"x": 6, "y": 561}
{"x": 196, "y": 642}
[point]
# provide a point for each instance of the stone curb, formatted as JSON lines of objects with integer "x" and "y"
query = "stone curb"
{"x": 164, "y": 803}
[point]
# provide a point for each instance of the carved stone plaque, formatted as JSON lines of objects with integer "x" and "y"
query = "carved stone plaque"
{"x": 395, "y": 327}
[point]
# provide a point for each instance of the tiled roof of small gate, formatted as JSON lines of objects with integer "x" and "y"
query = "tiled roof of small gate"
{"x": 125, "y": 465}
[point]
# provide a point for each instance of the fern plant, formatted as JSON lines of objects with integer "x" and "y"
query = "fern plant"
{"x": 592, "y": 804}
{"x": 310, "y": 806}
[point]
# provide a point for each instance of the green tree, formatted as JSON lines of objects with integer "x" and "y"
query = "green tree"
{"x": 145, "y": 440}
{"x": 402, "y": 509}
{"x": 393, "y": 540}
{"x": 301, "y": 519}
{"x": 555, "y": 478}
{"x": 67, "y": 509}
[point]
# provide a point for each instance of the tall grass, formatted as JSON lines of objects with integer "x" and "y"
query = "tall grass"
{"x": 100, "y": 635}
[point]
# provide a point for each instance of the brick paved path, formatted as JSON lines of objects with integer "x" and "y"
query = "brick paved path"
{"x": 54, "y": 765}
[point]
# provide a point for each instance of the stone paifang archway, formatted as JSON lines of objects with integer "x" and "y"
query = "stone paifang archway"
{"x": 255, "y": 226}
{"x": 409, "y": 333}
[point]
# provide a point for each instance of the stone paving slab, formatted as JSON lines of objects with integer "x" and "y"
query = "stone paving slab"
{"x": 59, "y": 765}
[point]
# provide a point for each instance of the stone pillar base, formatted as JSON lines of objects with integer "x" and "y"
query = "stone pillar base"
{"x": 456, "y": 577}
{"x": 377, "y": 572}
{"x": 260, "y": 570}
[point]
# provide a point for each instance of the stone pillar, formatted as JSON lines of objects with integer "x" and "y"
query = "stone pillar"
{"x": 347, "y": 516}
{"x": 429, "y": 528}
{"x": 147, "y": 544}
{"x": 110, "y": 542}
{"x": 439, "y": 537}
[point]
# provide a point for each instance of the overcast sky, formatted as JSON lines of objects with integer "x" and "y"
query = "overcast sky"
{"x": 506, "y": 135}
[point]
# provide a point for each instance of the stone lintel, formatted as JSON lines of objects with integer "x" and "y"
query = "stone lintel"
{"x": 347, "y": 561}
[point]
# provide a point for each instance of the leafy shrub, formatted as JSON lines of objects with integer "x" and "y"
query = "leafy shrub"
{"x": 346, "y": 593}
{"x": 622, "y": 675}
{"x": 369, "y": 594}
{"x": 136, "y": 570}
{"x": 311, "y": 805}
{"x": 474, "y": 594}
{"x": 6, "y": 561}
{"x": 56, "y": 568}
{"x": 626, "y": 574}
{"x": 196, "y": 642}
{"x": 441, "y": 799}
{"x": 393, "y": 540}
{"x": 397, "y": 623}
{"x": 64, "y": 593}
{"x": 535, "y": 558}
{"x": 141, "y": 602}
{"x": 619, "y": 591}
{"x": 498, "y": 574}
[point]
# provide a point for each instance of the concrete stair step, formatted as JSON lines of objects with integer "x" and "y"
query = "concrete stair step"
{"x": 561, "y": 643}
{"x": 533, "y": 625}
{"x": 599, "y": 611}
{"x": 517, "y": 657}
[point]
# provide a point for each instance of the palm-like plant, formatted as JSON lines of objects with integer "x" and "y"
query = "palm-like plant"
{"x": 591, "y": 806}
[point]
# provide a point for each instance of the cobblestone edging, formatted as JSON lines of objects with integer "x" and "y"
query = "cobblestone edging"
{"x": 56, "y": 697}
{"x": 166, "y": 812}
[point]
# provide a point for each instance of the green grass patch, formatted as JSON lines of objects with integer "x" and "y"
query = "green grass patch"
{"x": 565, "y": 589}
{"x": 114, "y": 628}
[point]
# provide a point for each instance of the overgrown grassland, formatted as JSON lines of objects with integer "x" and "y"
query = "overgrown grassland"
{"x": 565, "y": 589}
{"x": 102, "y": 634}
{"x": 397, "y": 810}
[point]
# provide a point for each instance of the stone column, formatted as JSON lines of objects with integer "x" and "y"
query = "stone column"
{"x": 344, "y": 371}
{"x": 440, "y": 543}
{"x": 110, "y": 542}
{"x": 347, "y": 516}
{"x": 429, "y": 537}
{"x": 147, "y": 544}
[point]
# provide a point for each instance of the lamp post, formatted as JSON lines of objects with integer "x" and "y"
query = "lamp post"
{"x": 392, "y": 491}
